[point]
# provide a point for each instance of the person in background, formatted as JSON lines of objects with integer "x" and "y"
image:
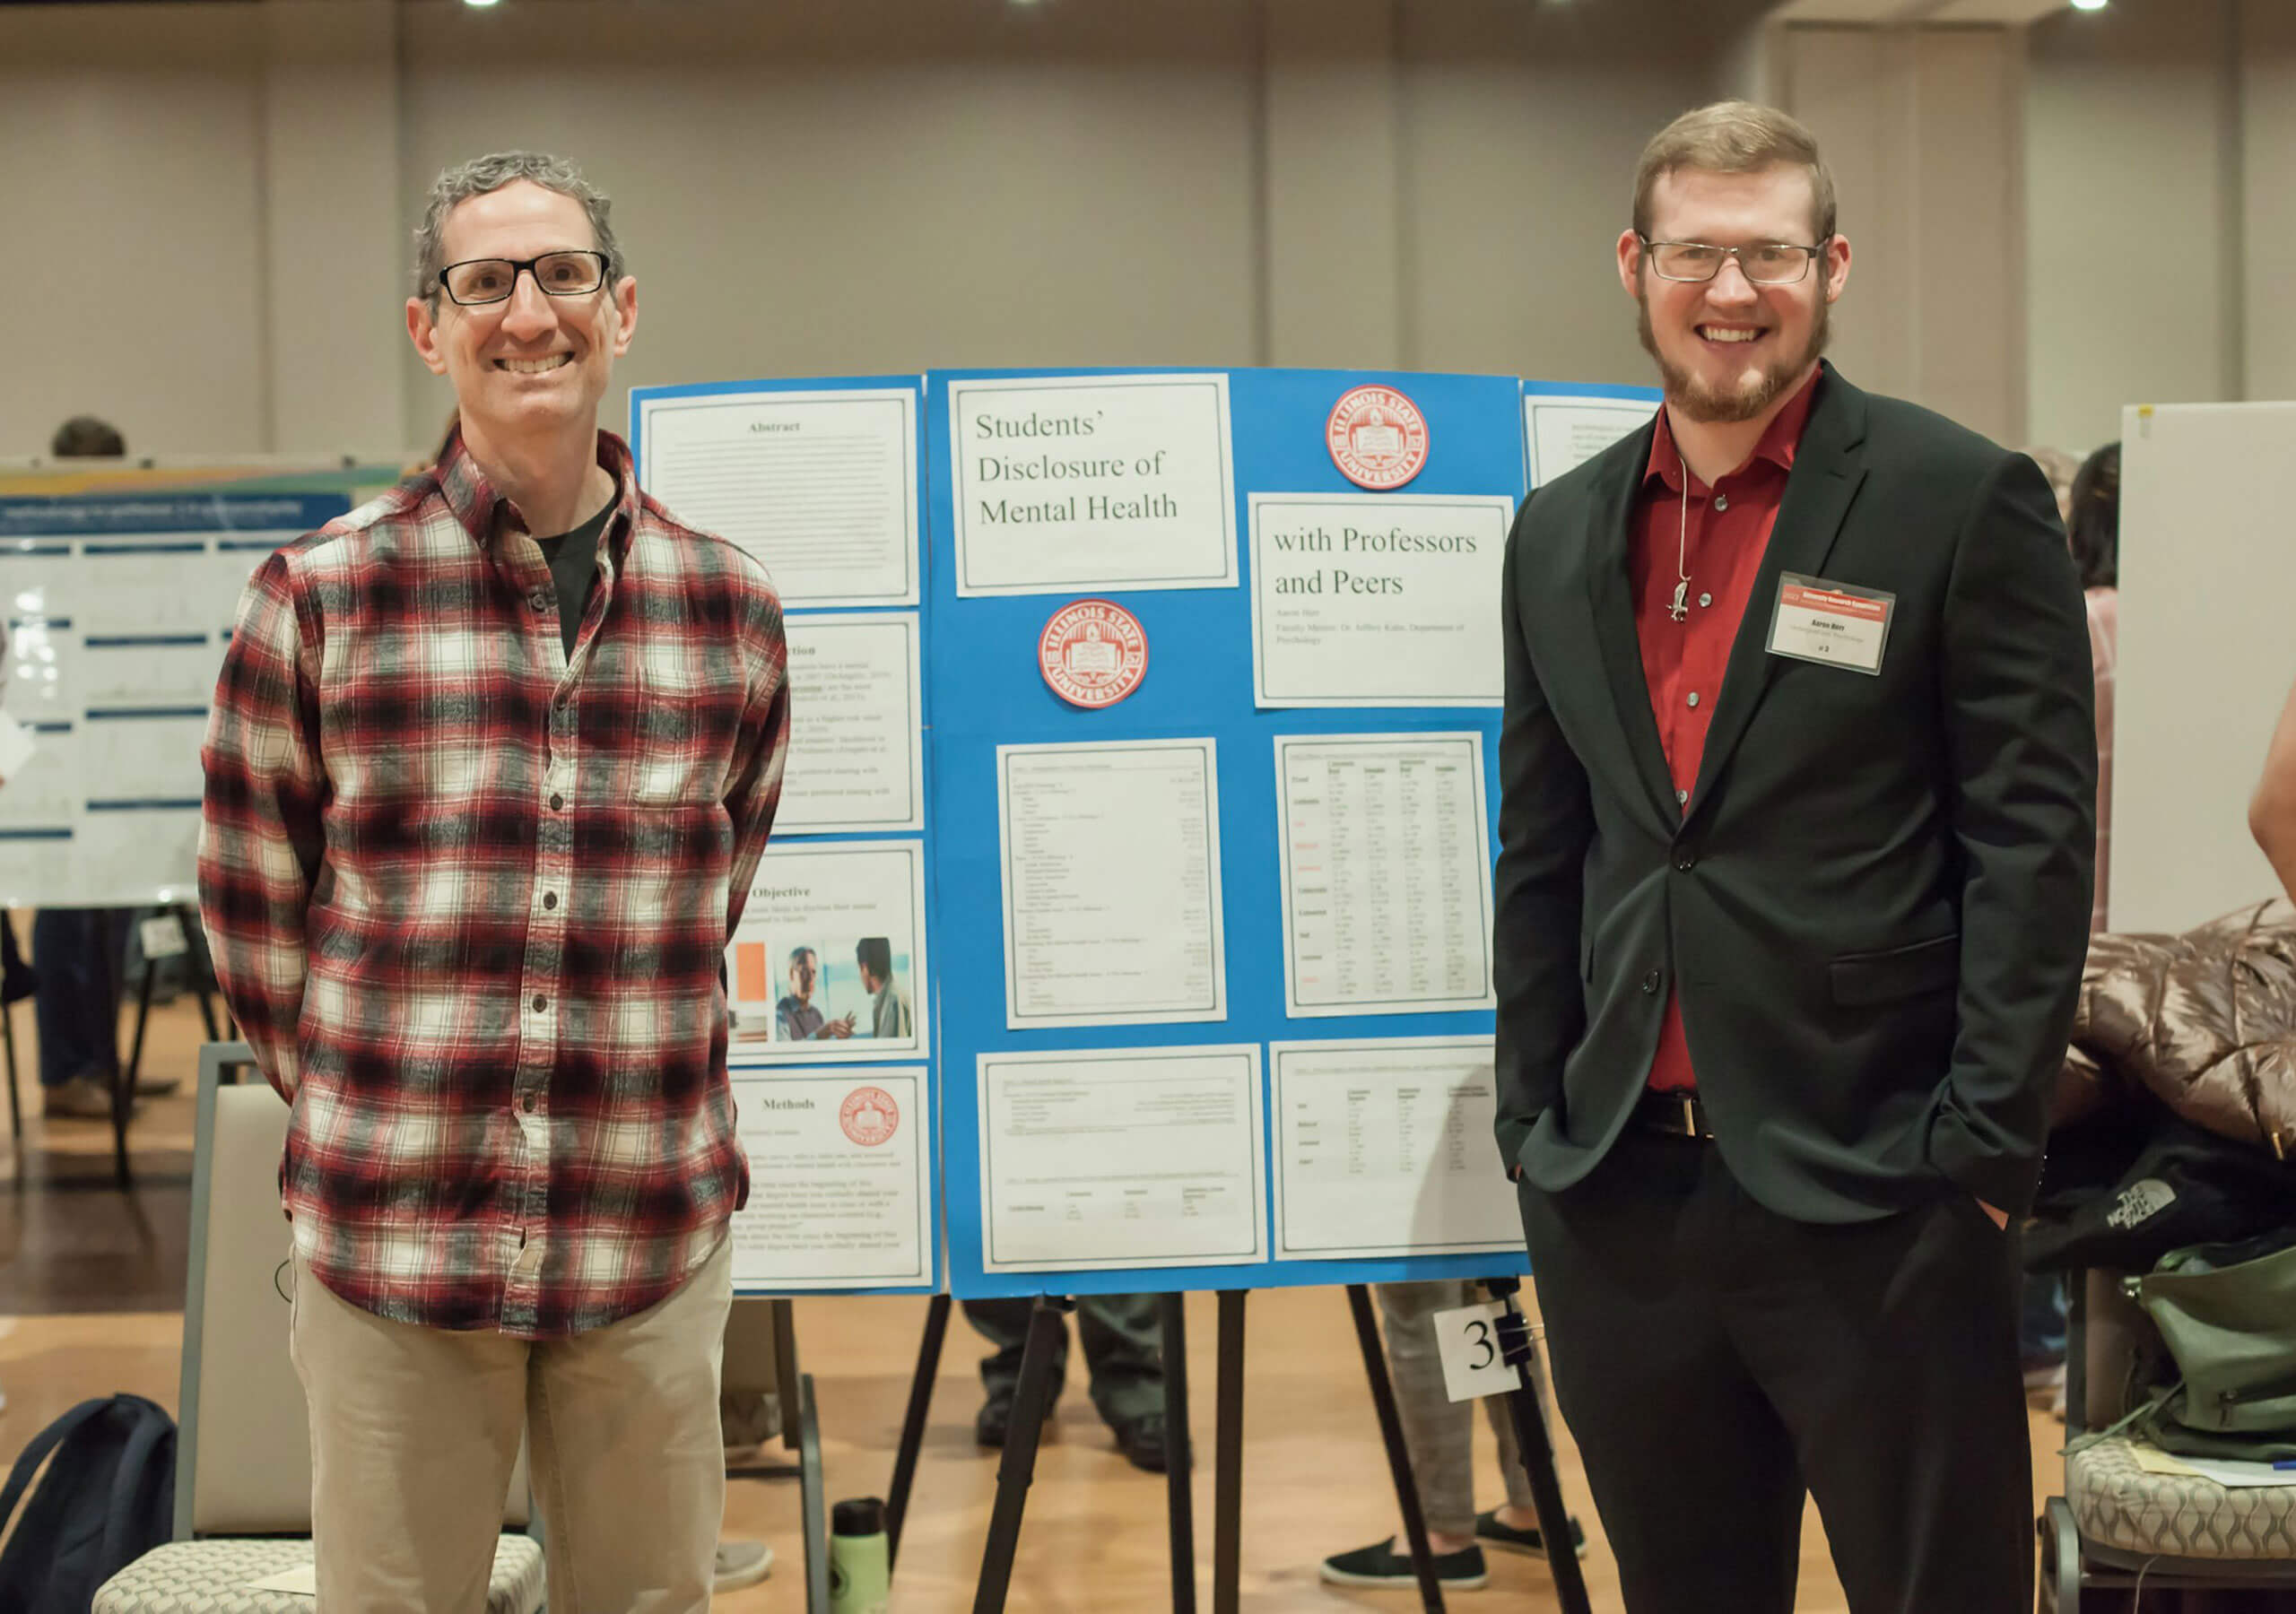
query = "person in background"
{"x": 1439, "y": 1434}
{"x": 1123, "y": 1336}
{"x": 82, "y": 952}
{"x": 2060, "y": 467}
{"x": 2088, "y": 498}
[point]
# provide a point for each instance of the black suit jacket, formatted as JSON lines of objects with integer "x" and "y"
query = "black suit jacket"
{"x": 1874, "y": 904}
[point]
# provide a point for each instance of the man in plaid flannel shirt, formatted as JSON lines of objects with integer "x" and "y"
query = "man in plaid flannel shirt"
{"x": 492, "y": 762}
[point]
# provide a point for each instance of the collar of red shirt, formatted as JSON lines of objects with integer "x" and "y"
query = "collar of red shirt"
{"x": 476, "y": 503}
{"x": 1779, "y": 441}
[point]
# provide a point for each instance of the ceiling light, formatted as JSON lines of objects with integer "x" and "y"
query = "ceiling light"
{"x": 2089, "y": 5}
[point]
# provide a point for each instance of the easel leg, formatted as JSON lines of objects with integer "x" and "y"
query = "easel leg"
{"x": 1538, "y": 1465}
{"x": 1383, "y": 1403}
{"x": 1179, "y": 1459}
{"x": 1228, "y": 1465}
{"x": 122, "y": 1081}
{"x": 912, "y": 1426}
{"x": 202, "y": 977}
{"x": 1032, "y": 1399}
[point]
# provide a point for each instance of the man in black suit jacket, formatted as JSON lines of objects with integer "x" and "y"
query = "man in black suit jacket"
{"x": 1798, "y": 772}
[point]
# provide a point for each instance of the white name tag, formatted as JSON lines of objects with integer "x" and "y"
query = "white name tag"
{"x": 1468, "y": 1337}
{"x": 1833, "y": 624}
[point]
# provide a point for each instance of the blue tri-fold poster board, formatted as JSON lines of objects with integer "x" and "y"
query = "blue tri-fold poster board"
{"x": 1210, "y": 689}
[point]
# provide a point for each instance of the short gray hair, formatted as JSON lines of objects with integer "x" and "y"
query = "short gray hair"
{"x": 482, "y": 174}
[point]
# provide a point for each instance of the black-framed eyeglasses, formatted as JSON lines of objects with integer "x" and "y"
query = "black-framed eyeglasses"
{"x": 1764, "y": 263}
{"x": 476, "y": 281}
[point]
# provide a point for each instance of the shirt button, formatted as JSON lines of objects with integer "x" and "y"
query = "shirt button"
{"x": 550, "y": 899}
{"x": 541, "y": 1002}
{"x": 557, "y": 803}
{"x": 527, "y": 1104}
{"x": 1681, "y": 796}
{"x": 1650, "y": 982}
{"x": 1693, "y": 698}
{"x": 1706, "y": 599}
{"x": 1721, "y": 502}
{"x": 1686, "y": 862}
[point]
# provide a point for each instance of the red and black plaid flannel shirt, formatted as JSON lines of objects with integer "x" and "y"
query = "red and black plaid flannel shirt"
{"x": 468, "y": 900}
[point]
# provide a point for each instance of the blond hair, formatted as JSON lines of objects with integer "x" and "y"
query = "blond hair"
{"x": 1734, "y": 137}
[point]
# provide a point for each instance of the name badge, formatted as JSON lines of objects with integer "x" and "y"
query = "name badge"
{"x": 1833, "y": 624}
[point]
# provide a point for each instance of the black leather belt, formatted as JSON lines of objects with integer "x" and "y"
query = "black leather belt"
{"x": 1679, "y": 1114}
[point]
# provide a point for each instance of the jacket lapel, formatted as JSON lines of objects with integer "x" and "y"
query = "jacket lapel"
{"x": 1610, "y": 599}
{"x": 1829, "y": 465}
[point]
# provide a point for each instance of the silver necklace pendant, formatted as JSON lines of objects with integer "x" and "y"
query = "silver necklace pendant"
{"x": 1680, "y": 609}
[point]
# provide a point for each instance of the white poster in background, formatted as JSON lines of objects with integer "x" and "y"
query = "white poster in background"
{"x": 803, "y": 964}
{"x": 857, "y": 759}
{"x": 1092, "y": 483}
{"x": 1383, "y": 845}
{"x": 1110, "y": 859}
{"x": 840, "y": 1180}
{"x": 1384, "y": 1147}
{"x": 1121, "y": 1157}
{"x": 1377, "y": 599}
{"x": 820, "y": 486}
{"x": 1561, "y": 433}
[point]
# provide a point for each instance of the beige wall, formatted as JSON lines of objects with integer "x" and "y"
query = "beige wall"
{"x": 824, "y": 188}
{"x": 1920, "y": 128}
{"x": 2130, "y": 223}
{"x": 855, "y": 185}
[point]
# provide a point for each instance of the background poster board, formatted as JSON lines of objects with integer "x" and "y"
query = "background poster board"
{"x": 118, "y": 604}
{"x": 2206, "y": 578}
{"x": 837, "y": 1086}
{"x": 1198, "y": 697}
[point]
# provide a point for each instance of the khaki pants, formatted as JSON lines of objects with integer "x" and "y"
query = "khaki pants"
{"x": 414, "y": 1433}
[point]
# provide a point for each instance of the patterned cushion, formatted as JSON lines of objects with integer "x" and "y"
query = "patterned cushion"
{"x": 2117, "y": 1504}
{"x": 211, "y": 1578}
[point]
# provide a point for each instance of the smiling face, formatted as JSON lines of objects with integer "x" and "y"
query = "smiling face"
{"x": 1728, "y": 348}
{"x": 534, "y": 366}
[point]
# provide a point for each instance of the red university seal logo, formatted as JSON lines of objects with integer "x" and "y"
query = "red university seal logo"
{"x": 1377, "y": 438}
{"x": 1093, "y": 654}
{"x": 869, "y": 1115}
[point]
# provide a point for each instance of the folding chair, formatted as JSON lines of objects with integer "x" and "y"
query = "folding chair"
{"x": 761, "y": 1357}
{"x": 243, "y": 1453}
{"x": 2117, "y": 1528}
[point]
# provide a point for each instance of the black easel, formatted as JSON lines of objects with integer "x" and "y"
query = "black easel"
{"x": 1016, "y": 1469}
{"x": 1406, "y": 1483}
{"x": 1514, "y": 1344}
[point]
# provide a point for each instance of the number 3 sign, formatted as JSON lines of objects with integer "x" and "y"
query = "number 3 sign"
{"x": 1473, "y": 1367}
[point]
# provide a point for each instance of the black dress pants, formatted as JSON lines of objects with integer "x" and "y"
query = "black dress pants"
{"x": 1714, "y": 1358}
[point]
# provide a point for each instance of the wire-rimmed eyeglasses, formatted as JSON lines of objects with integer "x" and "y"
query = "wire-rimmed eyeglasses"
{"x": 1763, "y": 263}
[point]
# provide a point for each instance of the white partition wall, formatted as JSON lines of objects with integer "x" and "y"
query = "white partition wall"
{"x": 2207, "y": 652}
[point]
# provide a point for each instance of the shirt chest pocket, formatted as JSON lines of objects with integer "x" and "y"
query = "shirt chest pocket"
{"x": 685, "y": 723}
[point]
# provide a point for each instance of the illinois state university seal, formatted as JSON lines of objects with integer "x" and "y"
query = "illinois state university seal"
{"x": 869, "y": 1115}
{"x": 1092, "y": 653}
{"x": 1377, "y": 438}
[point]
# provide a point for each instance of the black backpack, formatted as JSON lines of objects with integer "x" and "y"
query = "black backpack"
{"x": 109, "y": 1497}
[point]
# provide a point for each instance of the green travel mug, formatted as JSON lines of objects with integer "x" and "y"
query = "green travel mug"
{"x": 860, "y": 1557}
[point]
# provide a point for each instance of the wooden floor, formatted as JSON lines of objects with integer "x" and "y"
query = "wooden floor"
{"x": 92, "y": 1290}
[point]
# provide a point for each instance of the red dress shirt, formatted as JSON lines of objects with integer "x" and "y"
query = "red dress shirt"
{"x": 1719, "y": 540}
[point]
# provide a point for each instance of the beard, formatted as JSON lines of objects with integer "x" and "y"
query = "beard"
{"x": 1746, "y": 401}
